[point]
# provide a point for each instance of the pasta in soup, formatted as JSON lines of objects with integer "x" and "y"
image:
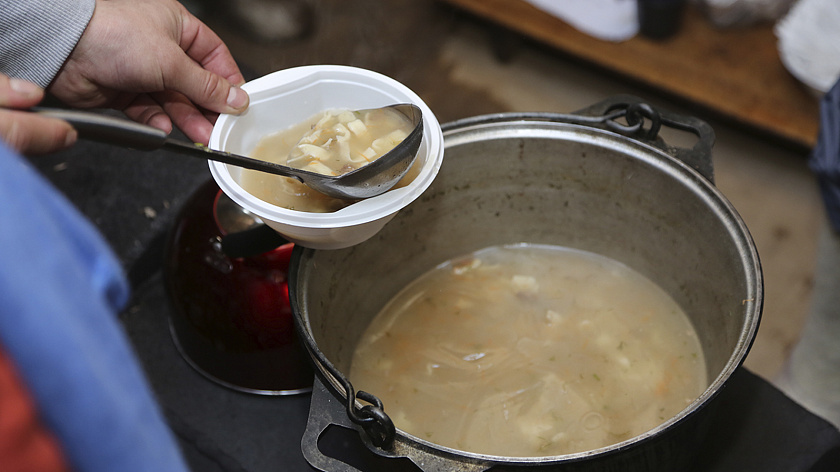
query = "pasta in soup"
{"x": 529, "y": 351}
{"x": 333, "y": 143}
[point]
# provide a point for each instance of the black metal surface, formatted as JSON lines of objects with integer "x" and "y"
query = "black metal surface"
{"x": 698, "y": 156}
{"x": 252, "y": 242}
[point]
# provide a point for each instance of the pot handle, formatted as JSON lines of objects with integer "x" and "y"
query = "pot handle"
{"x": 324, "y": 411}
{"x": 637, "y": 112}
{"x": 641, "y": 122}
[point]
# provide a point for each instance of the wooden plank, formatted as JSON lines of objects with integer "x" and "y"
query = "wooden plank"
{"x": 736, "y": 72}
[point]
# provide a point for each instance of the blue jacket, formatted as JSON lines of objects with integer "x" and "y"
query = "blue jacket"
{"x": 60, "y": 290}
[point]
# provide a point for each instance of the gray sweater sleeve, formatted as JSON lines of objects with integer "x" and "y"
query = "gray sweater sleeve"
{"x": 37, "y": 36}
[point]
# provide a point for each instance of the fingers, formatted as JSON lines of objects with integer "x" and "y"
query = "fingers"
{"x": 30, "y": 133}
{"x": 17, "y": 93}
{"x": 207, "y": 89}
{"x": 208, "y": 75}
{"x": 26, "y": 132}
{"x": 197, "y": 97}
{"x": 162, "y": 110}
{"x": 157, "y": 63}
{"x": 206, "y": 48}
{"x": 194, "y": 123}
{"x": 144, "y": 109}
{"x": 187, "y": 117}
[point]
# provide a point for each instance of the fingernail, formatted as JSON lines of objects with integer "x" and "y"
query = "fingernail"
{"x": 237, "y": 98}
{"x": 71, "y": 138}
{"x": 24, "y": 87}
{"x": 160, "y": 121}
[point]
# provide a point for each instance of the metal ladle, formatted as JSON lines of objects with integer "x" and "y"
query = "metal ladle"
{"x": 367, "y": 181}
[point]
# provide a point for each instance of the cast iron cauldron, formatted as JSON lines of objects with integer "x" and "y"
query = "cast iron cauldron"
{"x": 600, "y": 180}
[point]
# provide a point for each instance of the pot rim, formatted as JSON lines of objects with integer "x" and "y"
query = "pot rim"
{"x": 548, "y": 125}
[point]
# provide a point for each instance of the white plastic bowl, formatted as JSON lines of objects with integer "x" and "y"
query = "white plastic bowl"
{"x": 284, "y": 98}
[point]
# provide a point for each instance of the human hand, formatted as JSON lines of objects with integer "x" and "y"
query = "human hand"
{"x": 29, "y": 133}
{"x": 157, "y": 63}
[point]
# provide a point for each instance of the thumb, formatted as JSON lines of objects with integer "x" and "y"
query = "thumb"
{"x": 209, "y": 90}
{"x": 18, "y": 93}
{"x": 30, "y": 133}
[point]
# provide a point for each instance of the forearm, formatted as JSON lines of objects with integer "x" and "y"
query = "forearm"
{"x": 37, "y": 36}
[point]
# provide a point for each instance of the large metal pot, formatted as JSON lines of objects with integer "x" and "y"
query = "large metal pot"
{"x": 600, "y": 180}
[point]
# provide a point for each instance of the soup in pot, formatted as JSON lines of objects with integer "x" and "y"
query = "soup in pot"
{"x": 333, "y": 143}
{"x": 529, "y": 351}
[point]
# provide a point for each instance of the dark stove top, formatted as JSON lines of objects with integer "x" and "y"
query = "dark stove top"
{"x": 134, "y": 197}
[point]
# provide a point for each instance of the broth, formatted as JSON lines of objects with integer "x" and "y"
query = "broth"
{"x": 530, "y": 350}
{"x": 333, "y": 142}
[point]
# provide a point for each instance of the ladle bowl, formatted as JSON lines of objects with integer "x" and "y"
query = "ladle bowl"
{"x": 378, "y": 176}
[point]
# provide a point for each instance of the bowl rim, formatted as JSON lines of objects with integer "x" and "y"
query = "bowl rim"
{"x": 358, "y": 213}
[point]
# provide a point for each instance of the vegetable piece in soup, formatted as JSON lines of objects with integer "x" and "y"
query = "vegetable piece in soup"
{"x": 333, "y": 143}
{"x": 529, "y": 351}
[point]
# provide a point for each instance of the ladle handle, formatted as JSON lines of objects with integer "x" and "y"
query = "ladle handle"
{"x": 122, "y": 132}
{"x": 109, "y": 129}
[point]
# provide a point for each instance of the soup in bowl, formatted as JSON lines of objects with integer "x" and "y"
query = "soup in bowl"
{"x": 286, "y": 98}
